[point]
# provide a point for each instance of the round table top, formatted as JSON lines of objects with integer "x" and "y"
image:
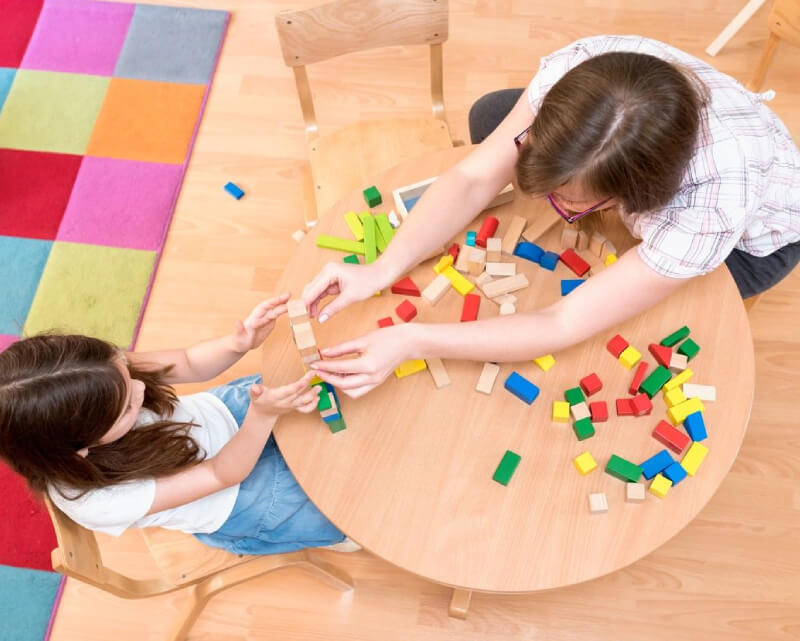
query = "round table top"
{"x": 410, "y": 479}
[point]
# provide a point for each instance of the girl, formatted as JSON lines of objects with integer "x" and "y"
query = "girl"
{"x": 103, "y": 433}
{"x": 696, "y": 166}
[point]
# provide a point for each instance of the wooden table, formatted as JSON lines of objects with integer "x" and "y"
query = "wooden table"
{"x": 410, "y": 478}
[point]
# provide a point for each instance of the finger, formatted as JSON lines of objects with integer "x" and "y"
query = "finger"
{"x": 239, "y": 327}
{"x": 355, "y": 346}
{"x": 344, "y": 366}
{"x": 256, "y": 391}
{"x": 328, "y": 275}
{"x": 273, "y": 313}
{"x": 334, "y": 307}
{"x": 346, "y": 382}
{"x": 291, "y": 390}
{"x": 332, "y": 290}
{"x": 360, "y": 391}
{"x": 307, "y": 409}
{"x": 305, "y": 399}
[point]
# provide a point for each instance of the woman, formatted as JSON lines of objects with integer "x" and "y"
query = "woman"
{"x": 696, "y": 166}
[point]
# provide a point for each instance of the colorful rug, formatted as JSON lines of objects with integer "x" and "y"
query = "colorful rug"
{"x": 100, "y": 103}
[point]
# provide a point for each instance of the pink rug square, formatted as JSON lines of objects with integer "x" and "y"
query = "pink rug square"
{"x": 121, "y": 203}
{"x": 6, "y": 340}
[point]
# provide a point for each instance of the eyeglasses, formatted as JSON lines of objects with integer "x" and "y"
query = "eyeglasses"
{"x": 570, "y": 218}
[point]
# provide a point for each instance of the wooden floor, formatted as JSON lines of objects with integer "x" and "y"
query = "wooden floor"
{"x": 733, "y": 574}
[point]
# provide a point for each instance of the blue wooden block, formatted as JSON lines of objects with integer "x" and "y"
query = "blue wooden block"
{"x": 471, "y": 236}
{"x": 234, "y": 191}
{"x": 410, "y": 203}
{"x": 529, "y": 251}
{"x": 549, "y": 260}
{"x": 675, "y": 473}
{"x": 569, "y": 284}
{"x": 656, "y": 464}
{"x": 521, "y": 387}
{"x": 695, "y": 426}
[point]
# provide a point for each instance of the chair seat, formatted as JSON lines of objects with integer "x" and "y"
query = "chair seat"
{"x": 351, "y": 157}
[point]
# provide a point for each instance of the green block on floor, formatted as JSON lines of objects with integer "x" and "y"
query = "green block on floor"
{"x": 370, "y": 238}
{"x": 583, "y": 428}
{"x": 505, "y": 470}
{"x": 689, "y": 348}
{"x": 340, "y": 244}
{"x": 622, "y": 469}
{"x": 658, "y": 377}
{"x": 676, "y": 337}
{"x": 352, "y": 259}
{"x": 574, "y": 396}
{"x": 372, "y": 196}
{"x": 385, "y": 230}
{"x": 337, "y": 425}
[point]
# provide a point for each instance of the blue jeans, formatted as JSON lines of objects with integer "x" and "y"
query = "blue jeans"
{"x": 271, "y": 514}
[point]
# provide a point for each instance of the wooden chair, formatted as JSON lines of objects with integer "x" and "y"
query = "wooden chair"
{"x": 183, "y": 562}
{"x": 784, "y": 24}
{"x": 346, "y": 159}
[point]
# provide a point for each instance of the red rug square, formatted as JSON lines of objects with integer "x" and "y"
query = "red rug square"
{"x": 25, "y": 522}
{"x": 36, "y": 187}
{"x": 16, "y": 27}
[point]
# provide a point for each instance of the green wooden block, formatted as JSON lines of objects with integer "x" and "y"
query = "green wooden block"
{"x": 689, "y": 348}
{"x": 337, "y": 425}
{"x": 583, "y": 428}
{"x": 574, "y": 396}
{"x": 505, "y": 470}
{"x": 676, "y": 337}
{"x": 324, "y": 402}
{"x": 340, "y": 244}
{"x": 352, "y": 259}
{"x": 372, "y": 196}
{"x": 370, "y": 238}
{"x": 622, "y": 469}
{"x": 385, "y": 230}
{"x": 655, "y": 381}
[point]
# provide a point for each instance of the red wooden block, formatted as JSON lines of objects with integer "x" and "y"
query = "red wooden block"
{"x": 469, "y": 312}
{"x": 591, "y": 384}
{"x": 599, "y": 410}
{"x": 671, "y": 437}
{"x": 385, "y": 322}
{"x": 405, "y": 287}
{"x": 624, "y": 407}
{"x": 453, "y": 251}
{"x": 641, "y": 405}
{"x": 486, "y": 231}
{"x": 617, "y": 345}
{"x": 663, "y": 355}
{"x": 406, "y": 310}
{"x": 638, "y": 377}
{"x": 574, "y": 262}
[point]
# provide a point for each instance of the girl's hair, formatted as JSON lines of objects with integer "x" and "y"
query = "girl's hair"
{"x": 59, "y": 394}
{"x": 624, "y": 124}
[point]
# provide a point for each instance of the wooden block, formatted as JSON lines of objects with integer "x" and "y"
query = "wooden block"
{"x": 477, "y": 260}
{"x": 482, "y": 279}
{"x": 617, "y": 345}
{"x": 340, "y": 244}
{"x": 469, "y": 311}
{"x": 579, "y": 411}
{"x": 406, "y": 311}
{"x": 410, "y": 367}
{"x": 574, "y": 395}
{"x": 663, "y": 355}
{"x": 688, "y": 348}
{"x": 385, "y": 322}
{"x": 459, "y": 283}
{"x": 607, "y": 250}
{"x": 506, "y": 467}
{"x": 370, "y": 238}
{"x": 506, "y": 309}
{"x": 660, "y": 486}
{"x": 591, "y": 384}
{"x": 569, "y": 238}
{"x": 596, "y": 243}
{"x": 354, "y": 223}
{"x": 676, "y": 337}
{"x": 297, "y": 311}
{"x": 634, "y": 492}
{"x": 622, "y": 469}
{"x": 673, "y": 438}
{"x": 437, "y": 288}
{"x": 505, "y": 298}
{"x": 585, "y": 463}
{"x": 679, "y": 362}
{"x": 598, "y": 503}
{"x": 304, "y": 336}
{"x": 405, "y": 287}
{"x": 394, "y": 221}
{"x": 486, "y": 231}
{"x": 506, "y": 195}
{"x": 444, "y": 262}
{"x": 494, "y": 249}
{"x": 583, "y": 429}
{"x": 560, "y": 412}
{"x": 599, "y": 411}
{"x": 658, "y": 379}
{"x": 610, "y": 260}
{"x": 641, "y": 404}
{"x": 545, "y": 362}
{"x": 521, "y": 387}
{"x": 385, "y": 230}
{"x": 505, "y": 285}
{"x": 638, "y": 378}
{"x": 624, "y": 407}
{"x": 703, "y": 392}
{"x": 574, "y": 262}
{"x": 679, "y": 379}
{"x": 298, "y": 235}
{"x": 674, "y": 396}
{"x": 487, "y": 378}
{"x": 454, "y": 250}
{"x": 462, "y": 261}
{"x": 583, "y": 240}
{"x": 511, "y": 237}
{"x": 438, "y": 372}
{"x": 311, "y": 358}
{"x": 501, "y": 269}
{"x": 693, "y": 458}
{"x": 678, "y": 413}
{"x": 630, "y": 356}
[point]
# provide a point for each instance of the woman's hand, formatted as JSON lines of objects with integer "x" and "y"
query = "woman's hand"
{"x": 253, "y": 330}
{"x": 349, "y": 283}
{"x": 379, "y": 353}
{"x": 274, "y": 401}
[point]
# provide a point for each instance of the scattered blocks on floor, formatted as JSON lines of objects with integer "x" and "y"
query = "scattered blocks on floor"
{"x": 506, "y": 468}
{"x": 676, "y": 337}
{"x": 459, "y": 283}
{"x": 406, "y": 311}
{"x": 571, "y": 259}
{"x": 372, "y": 196}
{"x": 574, "y": 395}
{"x": 660, "y": 486}
{"x": 707, "y": 393}
{"x": 469, "y": 311}
{"x": 641, "y": 405}
{"x": 549, "y": 260}
{"x": 695, "y": 426}
{"x": 617, "y": 345}
{"x": 487, "y": 378}
{"x": 234, "y": 190}
{"x": 529, "y": 251}
{"x": 569, "y": 284}
{"x": 560, "y": 412}
{"x": 674, "y": 397}
{"x": 355, "y": 225}
{"x": 599, "y": 411}
{"x": 410, "y": 367}
{"x": 437, "y": 288}
{"x": 438, "y": 372}
{"x": 545, "y": 362}
{"x": 688, "y": 348}
{"x": 634, "y": 492}
{"x": 670, "y": 436}
{"x": 693, "y": 458}
{"x": 591, "y": 384}
{"x": 657, "y": 380}
{"x": 340, "y": 244}
{"x": 655, "y": 464}
{"x": 678, "y": 379}
{"x": 598, "y": 503}
{"x": 580, "y": 411}
{"x": 385, "y": 322}
{"x": 406, "y": 287}
{"x": 638, "y": 377}
{"x": 630, "y": 356}
{"x": 624, "y": 407}
{"x": 622, "y": 469}
{"x": 675, "y": 473}
{"x": 585, "y": 463}
{"x": 487, "y": 229}
{"x": 583, "y": 429}
{"x": 521, "y": 387}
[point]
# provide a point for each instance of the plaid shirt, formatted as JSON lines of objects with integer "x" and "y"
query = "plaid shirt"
{"x": 742, "y": 186}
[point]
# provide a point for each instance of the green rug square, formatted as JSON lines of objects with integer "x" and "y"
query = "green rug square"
{"x": 49, "y": 111}
{"x": 92, "y": 290}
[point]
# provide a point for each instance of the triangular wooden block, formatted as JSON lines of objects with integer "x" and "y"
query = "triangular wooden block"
{"x": 663, "y": 355}
{"x": 405, "y": 287}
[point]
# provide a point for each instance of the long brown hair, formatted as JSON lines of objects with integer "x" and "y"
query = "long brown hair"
{"x": 623, "y": 124}
{"x": 61, "y": 393}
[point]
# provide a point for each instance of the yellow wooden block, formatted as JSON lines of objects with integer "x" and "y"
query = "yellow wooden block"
{"x": 585, "y": 463}
{"x": 459, "y": 283}
{"x": 610, "y": 259}
{"x": 678, "y": 414}
{"x": 410, "y": 367}
{"x": 660, "y": 486}
{"x": 316, "y": 380}
{"x": 674, "y": 396}
{"x": 444, "y": 262}
{"x": 545, "y": 362}
{"x": 677, "y": 381}
{"x": 630, "y": 356}
{"x": 693, "y": 457}
{"x": 355, "y": 225}
{"x": 561, "y": 411}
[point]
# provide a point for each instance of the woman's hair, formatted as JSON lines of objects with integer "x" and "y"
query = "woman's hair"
{"x": 623, "y": 124}
{"x": 59, "y": 394}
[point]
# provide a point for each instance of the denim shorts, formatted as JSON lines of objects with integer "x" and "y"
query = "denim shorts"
{"x": 271, "y": 514}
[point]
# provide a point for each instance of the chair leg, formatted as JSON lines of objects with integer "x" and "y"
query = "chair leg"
{"x": 191, "y": 611}
{"x": 459, "y": 603}
{"x": 750, "y": 303}
{"x": 763, "y": 64}
{"x": 335, "y": 577}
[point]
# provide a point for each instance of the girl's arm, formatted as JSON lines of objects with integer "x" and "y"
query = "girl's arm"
{"x": 237, "y": 458}
{"x": 205, "y": 360}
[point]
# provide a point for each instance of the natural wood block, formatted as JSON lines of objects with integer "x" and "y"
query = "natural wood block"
{"x": 505, "y": 285}
{"x": 304, "y": 336}
{"x": 569, "y": 238}
{"x": 487, "y": 378}
{"x": 297, "y": 311}
{"x": 501, "y": 269}
{"x": 506, "y": 309}
{"x": 598, "y": 503}
{"x": 477, "y": 260}
{"x": 703, "y": 392}
{"x": 438, "y": 372}
{"x": 494, "y": 249}
{"x": 634, "y": 492}
{"x": 437, "y": 288}
{"x": 514, "y": 231}
{"x": 596, "y": 243}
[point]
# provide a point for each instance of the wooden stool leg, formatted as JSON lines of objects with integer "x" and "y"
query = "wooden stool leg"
{"x": 191, "y": 611}
{"x": 330, "y": 574}
{"x": 459, "y": 603}
{"x": 763, "y": 64}
{"x": 750, "y": 303}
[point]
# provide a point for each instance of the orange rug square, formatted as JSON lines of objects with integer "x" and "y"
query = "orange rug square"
{"x": 146, "y": 120}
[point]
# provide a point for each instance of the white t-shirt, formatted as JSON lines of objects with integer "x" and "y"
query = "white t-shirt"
{"x": 115, "y": 508}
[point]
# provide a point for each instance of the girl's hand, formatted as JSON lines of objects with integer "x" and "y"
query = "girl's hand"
{"x": 252, "y": 331}
{"x": 379, "y": 353}
{"x": 274, "y": 401}
{"x": 348, "y": 283}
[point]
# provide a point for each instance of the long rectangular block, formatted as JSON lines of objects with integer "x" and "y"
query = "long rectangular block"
{"x": 505, "y": 285}
{"x": 521, "y": 387}
{"x": 572, "y": 260}
{"x": 469, "y": 312}
{"x": 706, "y": 393}
{"x": 514, "y": 231}
{"x": 410, "y": 367}
{"x": 679, "y": 412}
{"x": 438, "y": 372}
{"x": 670, "y": 436}
{"x": 354, "y": 223}
{"x": 340, "y": 244}
{"x": 638, "y": 378}
{"x": 385, "y": 230}
{"x": 679, "y": 379}
{"x": 529, "y": 251}
{"x": 370, "y": 238}
{"x": 437, "y": 288}
{"x": 622, "y": 469}
{"x": 549, "y": 260}
{"x": 506, "y": 468}
{"x": 459, "y": 283}
{"x": 658, "y": 378}
{"x": 693, "y": 458}
{"x": 487, "y": 378}
{"x": 655, "y": 464}
{"x": 676, "y": 337}
{"x": 501, "y": 269}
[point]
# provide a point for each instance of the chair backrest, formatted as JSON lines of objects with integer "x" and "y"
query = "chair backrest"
{"x": 346, "y": 26}
{"x": 784, "y": 20}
